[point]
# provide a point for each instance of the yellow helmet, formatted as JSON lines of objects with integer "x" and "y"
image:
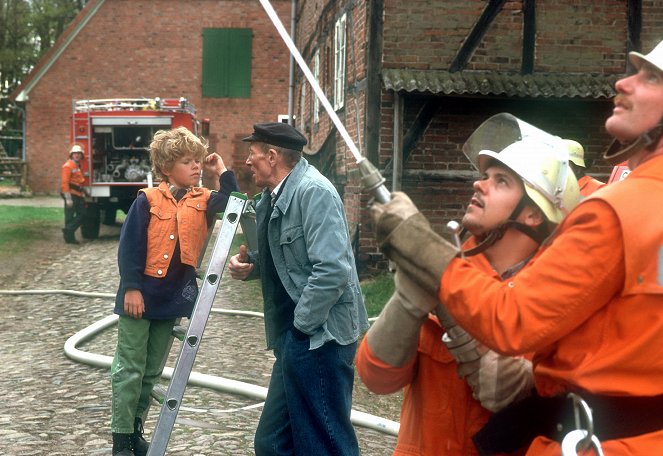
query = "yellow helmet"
{"x": 539, "y": 158}
{"x": 576, "y": 152}
{"x": 543, "y": 165}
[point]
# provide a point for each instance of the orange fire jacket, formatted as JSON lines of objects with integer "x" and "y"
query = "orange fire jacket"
{"x": 439, "y": 416}
{"x": 171, "y": 221}
{"x": 589, "y": 306}
{"x": 71, "y": 174}
{"x": 588, "y": 185}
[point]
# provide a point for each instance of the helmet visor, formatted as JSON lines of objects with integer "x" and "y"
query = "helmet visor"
{"x": 498, "y": 132}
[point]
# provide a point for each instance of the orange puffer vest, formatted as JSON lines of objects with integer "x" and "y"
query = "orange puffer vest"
{"x": 171, "y": 221}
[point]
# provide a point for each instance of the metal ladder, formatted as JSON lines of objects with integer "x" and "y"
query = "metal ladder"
{"x": 234, "y": 213}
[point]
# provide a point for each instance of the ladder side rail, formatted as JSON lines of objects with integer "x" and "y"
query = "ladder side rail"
{"x": 197, "y": 324}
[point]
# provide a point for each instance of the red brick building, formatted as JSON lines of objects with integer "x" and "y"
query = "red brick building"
{"x": 165, "y": 48}
{"x": 412, "y": 79}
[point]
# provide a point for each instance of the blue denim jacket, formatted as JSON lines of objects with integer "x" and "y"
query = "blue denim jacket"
{"x": 310, "y": 244}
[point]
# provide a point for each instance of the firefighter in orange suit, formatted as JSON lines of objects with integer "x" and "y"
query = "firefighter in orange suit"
{"x": 511, "y": 212}
{"x": 588, "y": 306}
{"x": 588, "y": 184}
{"x": 72, "y": 191}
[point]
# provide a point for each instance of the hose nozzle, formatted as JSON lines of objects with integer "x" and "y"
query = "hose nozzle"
{"x": 373, "y": 181}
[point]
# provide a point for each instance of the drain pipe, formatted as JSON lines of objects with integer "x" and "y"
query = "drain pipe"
{"x": 291, "y": 87}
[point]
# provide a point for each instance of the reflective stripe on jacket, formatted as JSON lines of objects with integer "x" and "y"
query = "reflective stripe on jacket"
{"x": 171, "y": 221}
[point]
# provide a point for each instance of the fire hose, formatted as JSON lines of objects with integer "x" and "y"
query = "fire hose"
{"x": 463, "y": 347}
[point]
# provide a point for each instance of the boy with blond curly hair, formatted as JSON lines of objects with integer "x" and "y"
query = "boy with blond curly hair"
{"x": 160, "y": 243}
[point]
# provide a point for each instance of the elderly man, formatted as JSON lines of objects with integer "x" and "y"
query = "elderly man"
{"x": 314, "y": 309}
{"x": 589, "y": 306}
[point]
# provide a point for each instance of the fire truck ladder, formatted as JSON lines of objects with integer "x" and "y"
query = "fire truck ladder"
{"x": 172, "y": 399}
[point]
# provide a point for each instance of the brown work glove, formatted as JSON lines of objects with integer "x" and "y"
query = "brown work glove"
{"x": 417, "y": 301}
{"x": 395, "y": 334}
{"x": 405, "y": 237}
{"x": 497, "y": 380}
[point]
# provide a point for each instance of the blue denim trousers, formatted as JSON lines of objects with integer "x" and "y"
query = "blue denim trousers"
{"x": 141, "y": 347}
{"x": 307, "y": 410}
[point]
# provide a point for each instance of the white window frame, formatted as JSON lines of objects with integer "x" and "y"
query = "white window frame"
{"x": 340, "y": 32}
{"x": 316, "y": 75}
{"x": 302, "y": 107}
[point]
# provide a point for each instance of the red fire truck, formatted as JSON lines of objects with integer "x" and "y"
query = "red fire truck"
{"x": 116, "y": 134}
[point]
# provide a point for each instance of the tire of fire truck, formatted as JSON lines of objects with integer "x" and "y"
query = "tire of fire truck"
{"x": 110, "y": 215}
{"x": 91, "y": 221}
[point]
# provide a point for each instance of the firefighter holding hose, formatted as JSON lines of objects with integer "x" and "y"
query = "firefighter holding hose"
{"x": 589, "y": 306}
{"x": 512, "y": 211}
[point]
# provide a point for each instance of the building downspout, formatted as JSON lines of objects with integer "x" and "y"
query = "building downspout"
{"x": 291, "y": 87}
{"x": 373, "y": 103}
{"x": 397, "y": 170}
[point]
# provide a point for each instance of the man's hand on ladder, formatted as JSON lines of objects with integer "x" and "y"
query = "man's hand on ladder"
{"x": 239, "y": 265}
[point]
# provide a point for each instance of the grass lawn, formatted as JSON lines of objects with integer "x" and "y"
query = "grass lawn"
{"x": 21, "y": 225}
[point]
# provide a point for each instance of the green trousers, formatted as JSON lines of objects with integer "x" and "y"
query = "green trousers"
{"x": 136, "y": 368}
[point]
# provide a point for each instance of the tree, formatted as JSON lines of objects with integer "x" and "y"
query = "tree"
{"x": 28, "y": 28}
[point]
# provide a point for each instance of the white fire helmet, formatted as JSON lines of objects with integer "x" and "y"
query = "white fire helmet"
{"x": 539, "y": 158}
{"x": 655, "y": 57}
{"x": 617, "y": 152}
{"x": 576, "y": 152}
{"x": 76, "y": 148}
{"x": 543, "y": 165}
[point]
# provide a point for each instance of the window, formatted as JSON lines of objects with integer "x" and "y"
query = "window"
{"x": 316, "y": 75}
{"x": 227, "y": 63}
{"x": 339, "y": 62}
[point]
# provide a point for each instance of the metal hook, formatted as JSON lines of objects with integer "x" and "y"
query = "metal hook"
{"x": 454, "y": 228}
{"x": 580, "y": 438}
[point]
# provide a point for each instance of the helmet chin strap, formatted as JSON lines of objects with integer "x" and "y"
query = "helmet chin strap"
{"x": 617, "y": 152}
{"x": 494, "y": 235}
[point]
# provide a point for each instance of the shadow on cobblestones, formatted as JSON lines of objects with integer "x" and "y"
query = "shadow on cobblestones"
{"x": 55, "y": 406}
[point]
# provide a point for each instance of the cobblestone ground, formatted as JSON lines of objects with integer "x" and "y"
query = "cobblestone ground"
{"x": 56, "y": 406}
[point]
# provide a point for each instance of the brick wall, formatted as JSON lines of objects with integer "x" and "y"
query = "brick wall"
{"x": 144, "y": 48}
{"x": 572, "y": 37}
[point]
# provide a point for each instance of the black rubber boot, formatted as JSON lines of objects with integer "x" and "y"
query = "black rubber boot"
{"x": 69, "y": 236}
{"x": 123, "y": 444}
{"x": 140, "y": 444}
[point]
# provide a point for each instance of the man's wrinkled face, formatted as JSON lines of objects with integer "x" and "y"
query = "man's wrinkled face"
{"x": 495, "y": 197}
{"x": 638, "y": 104}
{"x": 77, "y": 156}
{"x": 261, "y": 167}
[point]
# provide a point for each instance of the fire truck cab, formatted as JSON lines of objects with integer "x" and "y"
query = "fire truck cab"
{"x": 116, "y": 134}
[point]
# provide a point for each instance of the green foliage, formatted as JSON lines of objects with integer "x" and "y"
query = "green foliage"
{"x": 28, "y": 28}
{"x": 20, "y": 225}
{"x": 377, "y": 292}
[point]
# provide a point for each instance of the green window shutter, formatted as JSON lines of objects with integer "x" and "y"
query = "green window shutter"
{"x": 227, "y": 63}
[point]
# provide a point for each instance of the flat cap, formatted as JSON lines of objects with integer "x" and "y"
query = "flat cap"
{"x": 278, "y": 134}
